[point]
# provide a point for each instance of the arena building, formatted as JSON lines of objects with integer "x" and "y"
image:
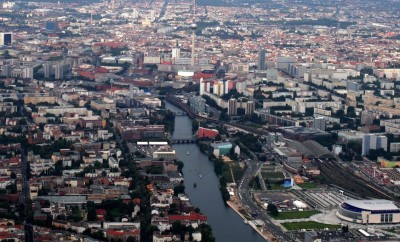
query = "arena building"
{"x": 376, "y": 211}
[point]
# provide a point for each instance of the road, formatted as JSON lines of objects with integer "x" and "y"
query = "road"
{"x": 25, "y": 197}
{"x": 253, "y": 167}
{"x": 245, "y": 198}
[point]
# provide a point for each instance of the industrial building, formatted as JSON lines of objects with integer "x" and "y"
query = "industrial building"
{"x": 219, "y": 149}
{"x": 303, "y": 133}
{"x": 311, "y": 149}
{"x": 206, "y": 133}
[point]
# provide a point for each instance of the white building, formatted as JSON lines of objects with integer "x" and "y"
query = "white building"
{"x": 27, "y": 72}
{"x": 374, "y": 211}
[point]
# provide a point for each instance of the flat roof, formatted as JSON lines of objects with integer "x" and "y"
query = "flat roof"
{"x": 158, "y": 143}
{"x": 73, "y": 199}
{"x": 373, "y": 205}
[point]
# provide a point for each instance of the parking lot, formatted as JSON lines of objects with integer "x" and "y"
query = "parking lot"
{"x": 283, "y": 200}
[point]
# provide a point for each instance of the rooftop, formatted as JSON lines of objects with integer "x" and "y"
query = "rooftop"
{"x": 373, "y": 205}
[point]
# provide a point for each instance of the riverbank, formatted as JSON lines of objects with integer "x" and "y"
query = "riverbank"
{"x": 262, "y": 230}
{"x": 206, "y": 195}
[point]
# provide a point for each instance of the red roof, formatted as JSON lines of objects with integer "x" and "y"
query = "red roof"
{"x": 123, "y": 232}
{"x": 101, "y": 212}
{"x": 192, "y": 217}
{"x": 101, "y": 70}
{"x": 110, "y": 44}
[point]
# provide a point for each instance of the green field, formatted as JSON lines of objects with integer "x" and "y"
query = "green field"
{"x": 236, "y": 170}
{"x": 295, "y": 215}
{"x": 308, "y": 225}
{"x": 308, "y": 185}
{"x": 272, "y": 175}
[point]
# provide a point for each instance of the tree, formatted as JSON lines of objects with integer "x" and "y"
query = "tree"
{"x": 76, "y": 215}
{"x": 91, "y": 216}
{"x": 272, "y": 209}
{"x": 351, "y": 111}
{"x": 13, "y": 176}
{"x": 206, "y": 233}
{"x": 22, "y": 122}
{"x": 176, "y": 227}
{"x": 345, "y": 229}
{"x": 130, "y": 239}
{"x": 179, "y": 189}
{"x": 180, "y": 165}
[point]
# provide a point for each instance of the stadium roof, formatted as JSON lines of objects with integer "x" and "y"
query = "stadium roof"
{"x": 373, "y": 205}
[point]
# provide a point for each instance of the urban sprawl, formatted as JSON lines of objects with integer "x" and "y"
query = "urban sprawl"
{"x": 295, "y": 104}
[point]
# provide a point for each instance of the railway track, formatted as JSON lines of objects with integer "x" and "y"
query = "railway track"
{"x": 346, "y": 178}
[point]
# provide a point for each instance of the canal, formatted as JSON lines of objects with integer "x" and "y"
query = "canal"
{"x": 227, "y": 225}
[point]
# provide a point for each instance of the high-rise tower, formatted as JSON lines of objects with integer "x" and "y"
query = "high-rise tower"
{"x": 261, "y": 59}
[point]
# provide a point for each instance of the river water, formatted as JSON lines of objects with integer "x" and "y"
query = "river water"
{"x": 227, "y": 225}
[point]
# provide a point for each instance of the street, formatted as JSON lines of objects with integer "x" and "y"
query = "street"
{"x": 244, "y": 195}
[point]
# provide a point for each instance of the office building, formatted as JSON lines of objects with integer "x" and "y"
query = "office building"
{"x": 6, "y": 71}
{"x": 226, "y": 86}
{"x": 202, "y": 87}
{"x": 395, "y": 147}
{"x": 232, "y": 107}
{"x": 47, "y": 69}
{"x": 367, "y": 118}
{"x": 261, "y": 59}
{"x": 6, "y": 39}
{"x": 241, "y": 86}
{"x": 250, "y": 105}
{"x": 283, "y": 62}
{"x": 373, "y": 141}
{"x": 206, "y": 133}
{"x": 218, "y": 88}
{"x": 27, "y": 72}
{"x": 319, "y": 123}
{"x": 220, "y": 149}
{"x": 352, "y": 86}
{"x": 58, "y": 71}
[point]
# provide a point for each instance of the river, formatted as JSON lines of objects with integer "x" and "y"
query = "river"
{"x": 226, "y": 224}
